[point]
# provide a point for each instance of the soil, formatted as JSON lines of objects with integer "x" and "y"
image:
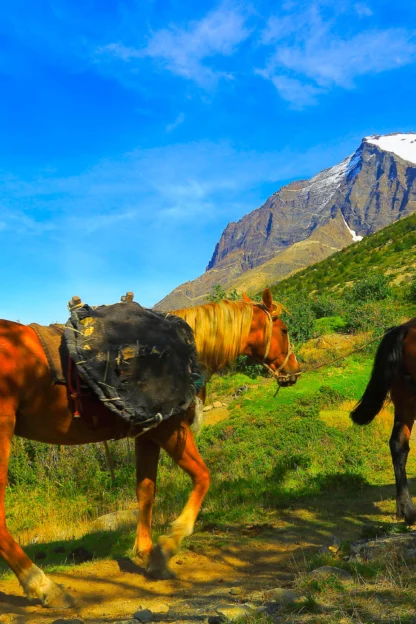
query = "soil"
{"x": 217, "y": 559}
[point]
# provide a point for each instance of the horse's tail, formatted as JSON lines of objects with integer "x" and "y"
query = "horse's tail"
{"x": 388, "y": 365}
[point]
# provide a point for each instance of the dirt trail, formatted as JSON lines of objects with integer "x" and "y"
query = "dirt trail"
{"x": 252, "y": 558}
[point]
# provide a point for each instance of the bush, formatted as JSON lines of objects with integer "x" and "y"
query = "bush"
{"x": 324, "y": 306}
{"x": 300, "y": 319}
{"x": 376, "y": 287}
{"x": 218, "y": 294}
{"x": 374, "y": 316}
{"x": 412, "y": 289}
{"x": 249, "y": 367}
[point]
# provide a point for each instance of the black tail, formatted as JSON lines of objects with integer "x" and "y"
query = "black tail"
{"x": 388, "y": 366}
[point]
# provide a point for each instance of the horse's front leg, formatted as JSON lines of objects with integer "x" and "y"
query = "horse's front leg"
{"x": 180, "y": 445}
{"x": 147, "y": 459}
{"x": 35, "y": 583}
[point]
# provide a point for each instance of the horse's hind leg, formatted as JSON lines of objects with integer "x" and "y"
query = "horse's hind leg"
{"x": 36, "y": 585}
{"x": 147, "y": 458}
{"x": 405, "y": 412}
{"x": 180, "y": 445}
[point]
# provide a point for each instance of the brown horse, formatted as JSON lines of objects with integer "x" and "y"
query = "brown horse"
{"x": 33, "y": 408}
{"x": 394, "y": 372}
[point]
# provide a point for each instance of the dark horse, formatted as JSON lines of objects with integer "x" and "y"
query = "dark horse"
{"x": 33, "y": 408}
{"x": 394, "y": 372}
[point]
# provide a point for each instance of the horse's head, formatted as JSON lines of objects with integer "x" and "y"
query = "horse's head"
{"x": 269, "y": 343}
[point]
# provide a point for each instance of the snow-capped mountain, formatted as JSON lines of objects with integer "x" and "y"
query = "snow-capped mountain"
{"x": 308, "y": 220}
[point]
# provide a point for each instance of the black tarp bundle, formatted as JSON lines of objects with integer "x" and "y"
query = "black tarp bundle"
{"x": 141, "y": 363}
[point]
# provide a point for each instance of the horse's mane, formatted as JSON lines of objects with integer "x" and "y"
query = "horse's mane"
{"x": 220, "y": 330}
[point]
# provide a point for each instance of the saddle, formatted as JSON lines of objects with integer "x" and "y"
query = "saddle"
{"x": 140, "y": 363}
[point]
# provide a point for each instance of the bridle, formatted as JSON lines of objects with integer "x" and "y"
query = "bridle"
{"x": 276, "y": 373}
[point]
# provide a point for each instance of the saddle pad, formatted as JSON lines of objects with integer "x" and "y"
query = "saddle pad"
{"x": 51, "y": 339}
{"x": 142, "y": 364}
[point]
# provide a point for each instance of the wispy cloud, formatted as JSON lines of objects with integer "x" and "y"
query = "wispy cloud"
{"x": 178, "y": 121}
{"x": 311, "y": 57}
{"x": 363, "y": 10}
{"x": 177, "y": 181}
{"x": 185, "y": 51}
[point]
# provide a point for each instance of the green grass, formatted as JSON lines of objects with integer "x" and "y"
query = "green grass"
{"x": 392, "y": 249}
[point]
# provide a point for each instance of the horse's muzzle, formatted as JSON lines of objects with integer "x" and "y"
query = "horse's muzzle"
{"x": 287, "y": 380}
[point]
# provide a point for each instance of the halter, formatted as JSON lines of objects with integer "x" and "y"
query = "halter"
{"x": 276, "y": 373}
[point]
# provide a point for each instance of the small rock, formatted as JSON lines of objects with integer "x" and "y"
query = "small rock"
{"x": 327, "y": 571}
{"x": 280, "y": 595}
{"x": 207, "y": 408}
{"x": 143, "y": 615}
{"x": 179, "y": 562}
{"x": 123, "y": 519}
{"x": 240, "y": 390}
{"x": 233, "y": 612}
{"x": 217, "y": 404}
{"x": 235, "y": 591}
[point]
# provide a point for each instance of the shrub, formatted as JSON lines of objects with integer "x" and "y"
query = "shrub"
{"x": 375, "y": 316}
{"x": 324, "y": 306}
{"x": 301, "y": 318}
{"x": 412, "y": 289}
{"x": 375, "y": 287}
{"x": 218, "y": 294}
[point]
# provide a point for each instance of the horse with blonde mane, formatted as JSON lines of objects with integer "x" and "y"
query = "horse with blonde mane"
{"x": 31, "y": 407}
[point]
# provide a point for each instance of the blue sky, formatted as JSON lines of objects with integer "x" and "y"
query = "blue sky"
{"x": 133, "y": 131}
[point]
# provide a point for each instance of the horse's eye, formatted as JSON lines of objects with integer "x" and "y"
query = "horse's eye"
{"x": 284, "y": 331}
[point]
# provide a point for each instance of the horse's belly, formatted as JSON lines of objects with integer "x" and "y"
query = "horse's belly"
{"x": 48, "y": 417}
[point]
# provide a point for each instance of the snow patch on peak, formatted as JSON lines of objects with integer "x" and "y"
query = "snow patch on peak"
{"x": 403, "y": 145}
{"x": 355, "y": 236}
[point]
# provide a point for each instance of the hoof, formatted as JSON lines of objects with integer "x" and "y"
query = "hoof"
{"x": 53, "y": 596}
{"x": 141, "y": 558}
{"x": 37, "y": 586}
{"x": 158, "y": 565}
{"x": 61, "y": 600}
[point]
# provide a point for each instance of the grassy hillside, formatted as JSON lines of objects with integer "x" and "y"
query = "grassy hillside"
{"x": 391, "y": 251}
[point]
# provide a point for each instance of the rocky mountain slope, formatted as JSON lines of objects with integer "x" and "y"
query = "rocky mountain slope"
{"x": 308, "y": 220}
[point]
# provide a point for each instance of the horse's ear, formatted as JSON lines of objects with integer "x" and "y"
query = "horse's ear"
{"x": 267, "y": 299}
{"x": 246, "y": 298}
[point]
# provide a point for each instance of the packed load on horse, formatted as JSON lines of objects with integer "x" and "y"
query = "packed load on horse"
{"x": 142, "y": 364}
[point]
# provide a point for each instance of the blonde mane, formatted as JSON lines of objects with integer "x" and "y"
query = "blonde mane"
{"x": 220, "y": 330}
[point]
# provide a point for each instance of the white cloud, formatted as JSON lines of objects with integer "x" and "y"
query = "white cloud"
{"x": 183, "y": 51}
{"x": 363, "y": 10}
{"x": 178, "y": 121}
{"x": 294, "y": 91}
{"x": 311, "y": 57}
